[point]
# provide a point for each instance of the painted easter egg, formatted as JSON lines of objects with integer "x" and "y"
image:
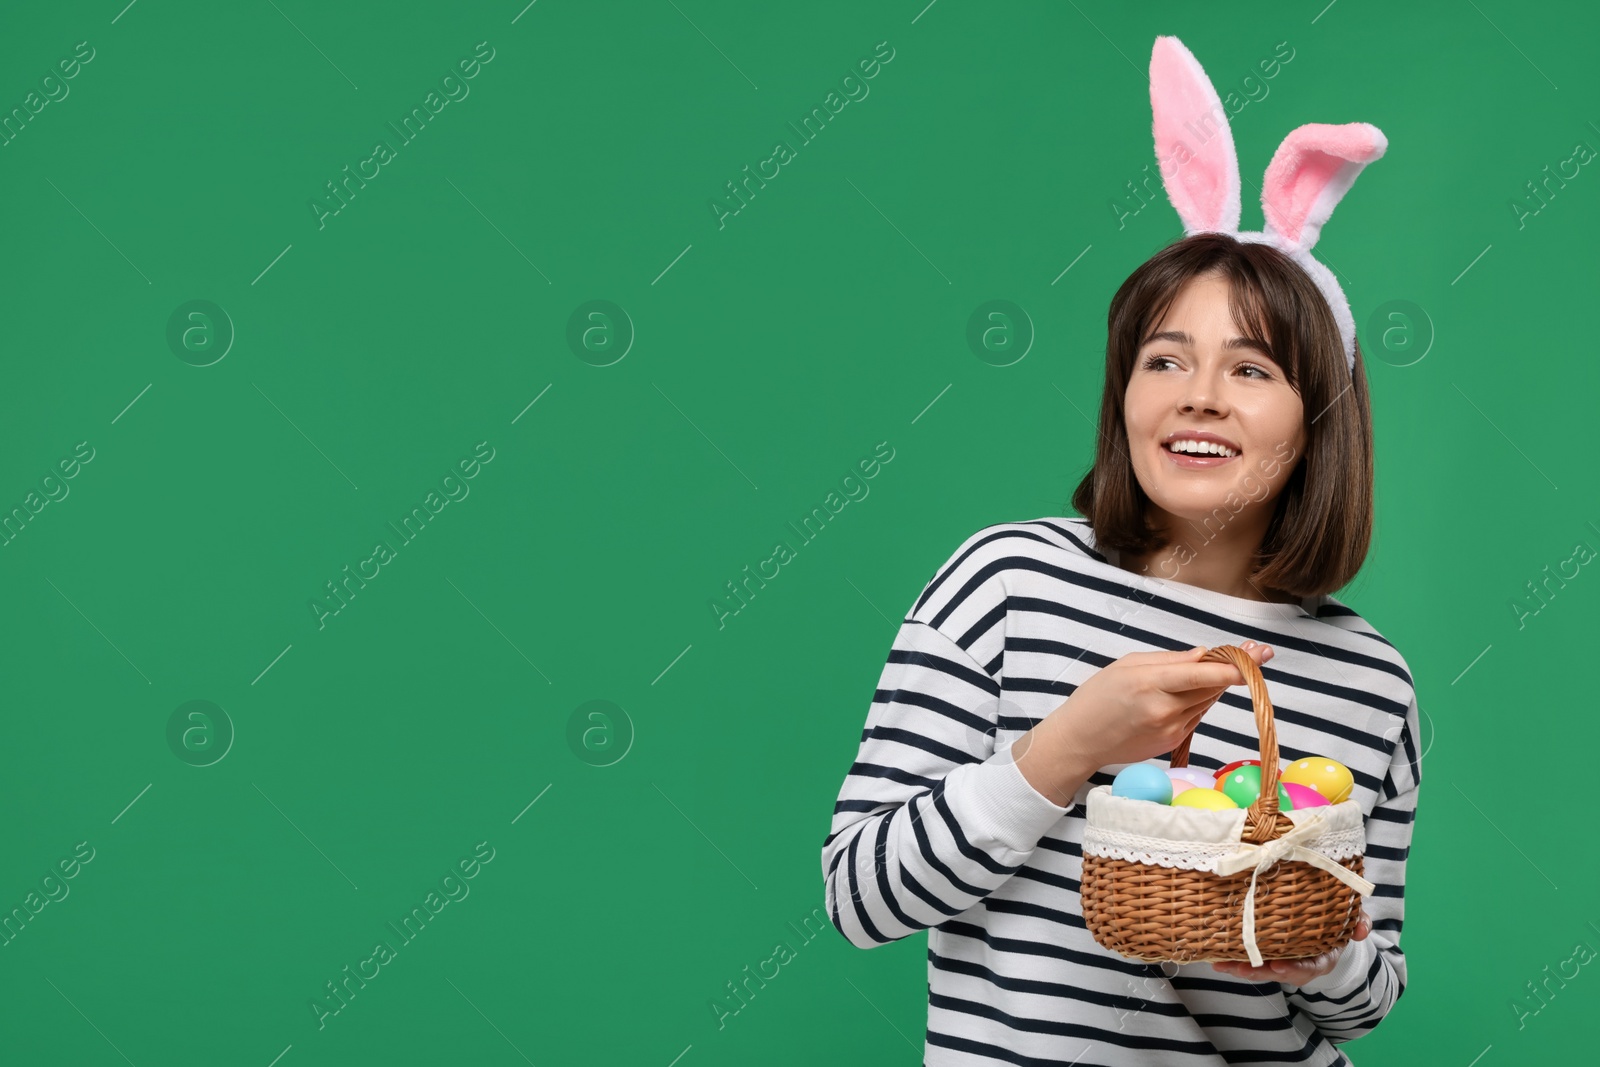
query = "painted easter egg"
{"x": 1304, "y": 796}
{"x": 1244, "y": 786}
{"x": 1230, "y": 768}
{"x": 1329, "y": 777}
{"x": 1143, "y": 781}
{"x": 1200, "y": 797}
{"x": 1197, "y": 776}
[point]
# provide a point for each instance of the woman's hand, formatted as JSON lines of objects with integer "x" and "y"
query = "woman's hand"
{"x": 1143, "y": 704}
{"x": 1294, "y": 972}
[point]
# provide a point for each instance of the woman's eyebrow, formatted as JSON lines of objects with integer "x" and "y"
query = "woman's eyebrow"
{"x": 1180, "y": 338}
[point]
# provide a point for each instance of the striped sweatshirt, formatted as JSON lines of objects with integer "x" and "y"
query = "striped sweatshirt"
{"x": 936, "y": 829}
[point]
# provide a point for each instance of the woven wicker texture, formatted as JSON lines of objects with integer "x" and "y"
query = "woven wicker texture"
{"x": 1157, "y": 913}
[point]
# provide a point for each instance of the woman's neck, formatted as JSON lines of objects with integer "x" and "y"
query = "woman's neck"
{"x": 1204, "y": 554}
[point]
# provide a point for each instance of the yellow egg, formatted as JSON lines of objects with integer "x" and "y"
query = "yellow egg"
{"x": 1200, "y": 797}
{"x": 1329, "y": 777}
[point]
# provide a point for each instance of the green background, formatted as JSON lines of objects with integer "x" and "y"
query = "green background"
{"x": 437, "y": 708}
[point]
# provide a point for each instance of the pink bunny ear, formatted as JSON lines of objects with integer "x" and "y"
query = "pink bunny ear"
{"x": 1310, "y": 173}
{"x": 1194, "y": 145}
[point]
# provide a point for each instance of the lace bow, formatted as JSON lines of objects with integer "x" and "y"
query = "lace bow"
{"x": 1291, "y": 846}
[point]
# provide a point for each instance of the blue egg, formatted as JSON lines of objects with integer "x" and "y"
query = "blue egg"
{"x": 1143, "y": 781}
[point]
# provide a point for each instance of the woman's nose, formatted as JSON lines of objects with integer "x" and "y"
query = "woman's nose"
{"x": 1201, "y": 393}
{"x": 1201, "y": 402}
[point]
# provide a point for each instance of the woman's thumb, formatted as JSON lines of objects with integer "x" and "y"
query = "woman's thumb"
{"x": 1191, "y": 655}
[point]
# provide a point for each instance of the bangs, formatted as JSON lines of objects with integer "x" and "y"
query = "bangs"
{"x": 1255, "y": 315}
{"x": 1261, "y": 320}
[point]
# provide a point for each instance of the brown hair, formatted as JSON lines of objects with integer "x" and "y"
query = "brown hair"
{"x": 1322, "y": 524}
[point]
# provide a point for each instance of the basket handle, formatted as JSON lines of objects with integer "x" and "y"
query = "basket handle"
{"x": 1263, "y": 821}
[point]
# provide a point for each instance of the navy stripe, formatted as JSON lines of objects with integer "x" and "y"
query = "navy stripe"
{"x": 1066, "y": 1029}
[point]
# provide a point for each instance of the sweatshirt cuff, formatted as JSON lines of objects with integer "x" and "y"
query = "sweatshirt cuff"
{"x": 998, "y": 808}
{"x": 1348, "y": 975}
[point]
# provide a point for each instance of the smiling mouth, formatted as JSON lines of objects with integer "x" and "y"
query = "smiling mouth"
{"x": 1200, "y": 450}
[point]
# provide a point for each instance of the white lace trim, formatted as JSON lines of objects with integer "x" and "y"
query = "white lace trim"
{"x": 1336, "y": 844}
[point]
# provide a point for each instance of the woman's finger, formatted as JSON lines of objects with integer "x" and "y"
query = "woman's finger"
{"x": 1193, "y": 720}
{"x": 1200, "y": 681}
{"x": 1188, "y": 677}
{"x": 1182, "y": 655}
{"x": 1192, "y": 655}
{"x": 1293, "y": 971}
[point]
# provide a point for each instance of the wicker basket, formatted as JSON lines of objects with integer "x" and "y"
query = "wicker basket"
{"x": 1181, "y": 884}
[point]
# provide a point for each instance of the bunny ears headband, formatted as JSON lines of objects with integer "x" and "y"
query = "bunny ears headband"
{"x": 1309, "y": 174}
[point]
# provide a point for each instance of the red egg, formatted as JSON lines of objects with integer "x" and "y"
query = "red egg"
{"x": 1235, "y": 765}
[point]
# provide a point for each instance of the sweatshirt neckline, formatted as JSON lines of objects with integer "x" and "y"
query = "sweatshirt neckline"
{"x": 1223, "y": 603}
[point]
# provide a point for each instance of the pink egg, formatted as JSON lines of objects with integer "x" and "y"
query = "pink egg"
{"x": 1195, "y": 776}
{"x": 1303, "y": 796}
{"x": 1179, "y": 785}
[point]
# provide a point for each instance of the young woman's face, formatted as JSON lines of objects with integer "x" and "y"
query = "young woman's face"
{"x": 1188, "y": 379}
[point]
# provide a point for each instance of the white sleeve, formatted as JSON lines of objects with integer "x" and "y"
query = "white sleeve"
{"x": 931, "y": 818}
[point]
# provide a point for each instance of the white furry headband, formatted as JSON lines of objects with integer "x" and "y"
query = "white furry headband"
{"x": 1309, "y": 174}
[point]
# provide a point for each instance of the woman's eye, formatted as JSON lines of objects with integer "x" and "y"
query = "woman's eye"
{"x": 1156, "y": 363}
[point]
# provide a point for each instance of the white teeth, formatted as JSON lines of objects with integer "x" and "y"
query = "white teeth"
{"x": 1201, "y": 448}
